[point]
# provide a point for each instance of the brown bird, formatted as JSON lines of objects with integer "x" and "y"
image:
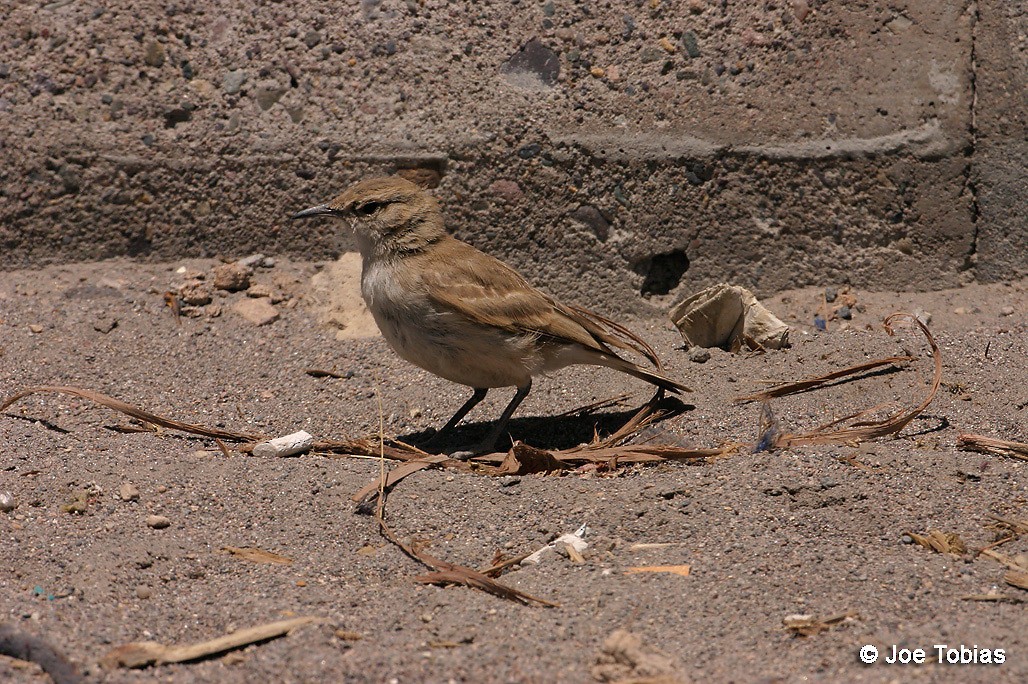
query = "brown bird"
{"x": 464, "y": 315}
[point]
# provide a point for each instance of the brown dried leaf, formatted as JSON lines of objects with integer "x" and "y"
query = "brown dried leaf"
{"x": 1017, "y": 578}
{"x": 942, "y": 542}
{"x": 257, "y": 555}
{"x": 523, "y": 459}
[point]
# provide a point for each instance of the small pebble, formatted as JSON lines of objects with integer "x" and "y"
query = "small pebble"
{"x": 105, "y": 324}
{"x": 252, "y": 261}
{"x": 231, "y": 277}
{"x": 34, "y": 328}
{"x": 157, "y": 522}
{"x": 257, "y": 311}
{"x": 7, "y": 502}
{"x": 195, "y": 293}
{"x": 907, "y": 539}
{"x": 129, "y": 492}
{"x": 698, "y": 354}
{"x": 144, "y": 592}
{"x": 509, "y": 481}
{"x": 831, "y": 294}
{"x": 1006, "y": 311}
{"x": 845, "y": 313}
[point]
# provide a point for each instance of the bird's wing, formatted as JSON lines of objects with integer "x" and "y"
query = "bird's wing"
{"x": 484, "y": 289}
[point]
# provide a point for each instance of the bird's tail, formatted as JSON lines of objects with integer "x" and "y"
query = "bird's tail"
{"x": 620, "y": 364}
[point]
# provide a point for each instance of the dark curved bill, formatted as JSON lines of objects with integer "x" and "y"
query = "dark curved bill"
{"x": 320, "y": 210}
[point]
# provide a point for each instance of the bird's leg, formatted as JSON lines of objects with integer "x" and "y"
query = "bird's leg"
{"x": 477, "y": 396}
{"x": 489, "y": 442}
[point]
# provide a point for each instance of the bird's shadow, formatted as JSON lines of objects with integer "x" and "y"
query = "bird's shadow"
{"x": 549, "y": 432}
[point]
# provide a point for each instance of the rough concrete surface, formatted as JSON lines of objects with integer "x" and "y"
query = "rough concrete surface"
{"x": 609, "y": 150}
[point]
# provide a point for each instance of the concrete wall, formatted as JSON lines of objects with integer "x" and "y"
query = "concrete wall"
{"x": 616, "y": 152}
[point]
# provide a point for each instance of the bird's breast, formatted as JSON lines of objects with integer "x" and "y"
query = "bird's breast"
{"x": 442, "y": 341}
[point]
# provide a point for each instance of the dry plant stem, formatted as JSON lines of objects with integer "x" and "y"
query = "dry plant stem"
{"x": 1018, "y": 526}
{"x": 888, "y": 426}
{"x": 1006, "y": 560}
{"x": 144, "y": 653}
{"x": 812, "y": 383}
{"x": 444, "y": 572}
{"x": 134, "y": 412}
{"x": 992, "y": 446}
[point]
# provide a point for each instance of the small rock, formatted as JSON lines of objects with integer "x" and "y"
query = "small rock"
{"x": 831, "y": 294}
{"x": 613, "y": 74}
{"x": 924, "y": 316}
{"x": 144, "y": 592}
{"x": 157, "y": 522}
{"x": 195, "y": 293}
{"x": 698, "y": 354}
{"x": 232, "y": 277}
{"x": 845, "y": 313}
{"x": 691, "y": 45}
{"x": 650, "y": 54}
{"x": 105, "y": 324}
{"x": 252, "y": 261}
{"x": 667, "y": 45}
{"x": 592, "y": 217}
{"x": 233, "y": 81}
{"x": 530, "y": 150}
{"x": 258, "y": 290}
{"x": 509, "y": 480}
{"x": 257, "y": 311}
{"x": 598, "y": 72}
{"x": 899, "y": 25}
{"x": 128, "y": 492}
{"x": 1006, "y": 311}
{"x": 154, "y": 55}
{"x": 187, "y": 70}
{"x": 34, "y": 328}
{"x": 7, "y": 502}
{"x": 906, "y": 539}
{"x": 535, "y": 60}
{"x": 312, "y": 39}
{"x": 801, "y": 9}
{"x": 268, "y": 93}
{"x": 506, "y": 189}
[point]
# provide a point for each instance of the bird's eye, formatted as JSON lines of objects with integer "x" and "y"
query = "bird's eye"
{"x": 368, "y": 208}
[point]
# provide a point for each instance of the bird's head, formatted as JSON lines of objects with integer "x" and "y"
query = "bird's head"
{"x": 387, "y": 215}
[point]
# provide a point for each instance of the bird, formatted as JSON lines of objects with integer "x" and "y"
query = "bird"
{"x": 462, "y": 314}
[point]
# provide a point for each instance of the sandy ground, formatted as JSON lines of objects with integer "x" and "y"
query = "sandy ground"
{"x": 816, "y": 531}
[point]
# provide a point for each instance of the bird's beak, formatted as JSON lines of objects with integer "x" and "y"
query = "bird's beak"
{"x": 320, "y": 210}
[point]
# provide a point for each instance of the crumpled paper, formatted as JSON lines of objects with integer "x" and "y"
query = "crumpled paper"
{"x": 729, "y": 317}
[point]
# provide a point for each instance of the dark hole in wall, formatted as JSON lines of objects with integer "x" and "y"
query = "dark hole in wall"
{"x": 663, "y": 272}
